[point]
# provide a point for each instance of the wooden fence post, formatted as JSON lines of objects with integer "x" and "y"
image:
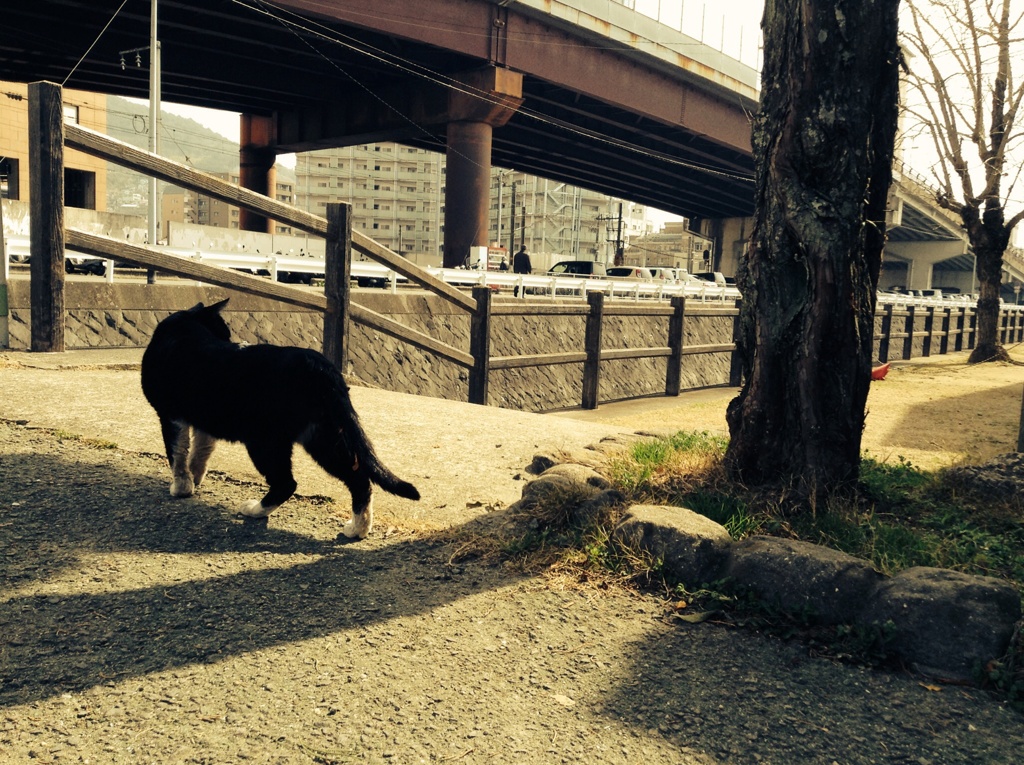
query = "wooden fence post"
{"x": 337, "y": 269}
{"x": 592, "y": 346}
{"x": 958, "y": 342}
{"x": 971, "y": 326}
{"x": 46, "y": 209}
{"x": 883, "y": 341}
{"x": 480, "y": 345}
{"x": 944, "y": 338}
{"x": 929, "y": 325}
{"x": 908, "y": 341}
{"x": 673, "y": 376}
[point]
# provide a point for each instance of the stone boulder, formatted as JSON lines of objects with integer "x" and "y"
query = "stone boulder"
{"x": 693, "y": 548}
{"x": 948, "y": 624}
{"x": 828, "y": 586}
{"x": 1001, "y": 478}
{"x": 580, "y": 474}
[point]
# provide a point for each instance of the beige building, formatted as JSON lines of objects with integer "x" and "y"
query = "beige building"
{"x": 85, "y": 177}
{"x": 184, "y": 206}
{"x": 394, "y": 191}
{"x": 675, "y": 246}
{"x": 397, "y": 197}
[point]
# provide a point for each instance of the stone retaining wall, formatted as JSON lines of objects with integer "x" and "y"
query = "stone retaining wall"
{"x": 380, "y": 360}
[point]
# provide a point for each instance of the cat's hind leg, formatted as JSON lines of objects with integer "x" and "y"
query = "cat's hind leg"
{"x": 329, "y": 450}
{"x": 202, "y": 447}
{"x": 176, "y": 441}
{"x": 274, "y": 461}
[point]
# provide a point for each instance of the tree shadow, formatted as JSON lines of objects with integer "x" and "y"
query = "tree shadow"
{"x": 953, "y": 416}
{"x": 736, "y": 695}
{"x": 69, "y": 642}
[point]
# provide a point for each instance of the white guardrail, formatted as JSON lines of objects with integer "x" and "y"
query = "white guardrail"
{"x": 534, "y": 284}
{"x": 282, "y": 267}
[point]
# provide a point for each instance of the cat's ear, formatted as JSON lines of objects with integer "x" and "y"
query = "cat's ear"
{"x": 196, "y": 308}
{"x": 216, "y": 307}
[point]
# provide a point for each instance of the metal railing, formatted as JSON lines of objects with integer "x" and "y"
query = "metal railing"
{"x": 289, "y": 269}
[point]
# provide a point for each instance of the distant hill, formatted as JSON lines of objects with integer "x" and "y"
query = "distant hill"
{"x": 181, "y": 139}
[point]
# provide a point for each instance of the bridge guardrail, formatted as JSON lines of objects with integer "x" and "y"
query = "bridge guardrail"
{"x": 275, "y": 266}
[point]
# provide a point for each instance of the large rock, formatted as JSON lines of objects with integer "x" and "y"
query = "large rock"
{"x": 579, "y": 474}
{"x": 828, "y": 586}
{"x": 948, "y": 624}
{"x": 693, "y": 548}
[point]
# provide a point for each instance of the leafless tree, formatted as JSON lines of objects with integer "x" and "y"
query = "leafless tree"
{"x": 963, "y": 95}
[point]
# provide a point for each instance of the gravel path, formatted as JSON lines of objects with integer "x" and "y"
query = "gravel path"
{"x": 139, "y": 629}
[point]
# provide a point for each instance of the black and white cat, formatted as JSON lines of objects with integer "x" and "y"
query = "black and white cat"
{"x": 268, "y": 397}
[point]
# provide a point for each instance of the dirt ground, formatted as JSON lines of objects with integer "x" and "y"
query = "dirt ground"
{"x": 935, "y": 412}
{"x": 135, "y": 628}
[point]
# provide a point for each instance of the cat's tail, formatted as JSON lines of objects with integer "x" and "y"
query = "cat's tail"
{"x": 355, "y": 438}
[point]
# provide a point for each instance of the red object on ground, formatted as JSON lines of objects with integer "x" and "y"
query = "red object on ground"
{"x": 879, "y": 373}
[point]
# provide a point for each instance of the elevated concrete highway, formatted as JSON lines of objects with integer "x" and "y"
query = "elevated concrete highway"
{"x": 588, "y": 93}
{"x": 929, "y": 242}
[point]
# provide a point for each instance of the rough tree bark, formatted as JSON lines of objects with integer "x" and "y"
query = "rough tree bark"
{"x": 823, "y": 144}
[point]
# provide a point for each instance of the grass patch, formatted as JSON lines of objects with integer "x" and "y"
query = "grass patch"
{"x": 899, "y": 517}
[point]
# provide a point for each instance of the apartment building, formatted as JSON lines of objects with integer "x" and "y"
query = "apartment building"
{"x": 395, "y": 192}
{"x": 397, "y": 197}
{"x": 184, "y": 206}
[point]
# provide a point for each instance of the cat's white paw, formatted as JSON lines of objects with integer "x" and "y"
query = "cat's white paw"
{"x": 182, "y": 486}
{"x": 359, "y": 526}
{"x": 255, "y": 509}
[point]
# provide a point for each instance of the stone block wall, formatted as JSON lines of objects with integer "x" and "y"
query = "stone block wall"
{"x": 101, "y": 315}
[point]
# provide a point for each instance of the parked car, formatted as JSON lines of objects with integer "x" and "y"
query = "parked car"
{"x": 716, "y": 277}
{"x": 590, "y": 268}
{"x": 631, "y": 272}
{"x": 84, "y": 265}
{"x": 670, "y": 275}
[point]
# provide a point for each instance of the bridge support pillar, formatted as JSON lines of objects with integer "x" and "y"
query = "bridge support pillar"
{"x": 489, "y": 99}
{"x": 922, "y": 257}
{"x": 467, "y": 190}
{"x": 256, "y": 167}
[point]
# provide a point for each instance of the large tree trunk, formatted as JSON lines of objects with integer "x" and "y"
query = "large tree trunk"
{"x": 989, "y": 237}
{"x": 823, "y": 141}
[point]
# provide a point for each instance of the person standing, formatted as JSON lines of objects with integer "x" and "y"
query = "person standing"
{"x": 521, "y": 262}
{"x": 521, "y": 265}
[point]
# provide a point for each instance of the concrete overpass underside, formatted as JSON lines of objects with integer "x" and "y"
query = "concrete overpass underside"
{"x": 487, "y": 81}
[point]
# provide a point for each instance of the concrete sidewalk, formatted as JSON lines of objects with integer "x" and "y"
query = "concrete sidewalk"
{"x": 464, "y": 458}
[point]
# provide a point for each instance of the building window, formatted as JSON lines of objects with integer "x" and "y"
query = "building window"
{"x": 70, "y": 114}
{"x": 79, "y": 189}
{"x": 9, "y": 184}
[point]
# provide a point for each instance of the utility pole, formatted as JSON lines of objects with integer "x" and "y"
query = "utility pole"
{"x": 617, "y": 255}
{"x": 154, "y": 118}
{"x": 618, "y": 238}
{"x": 512, "y": 222}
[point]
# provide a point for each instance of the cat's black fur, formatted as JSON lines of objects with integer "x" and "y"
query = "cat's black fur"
{"x": 266, "y": 396}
